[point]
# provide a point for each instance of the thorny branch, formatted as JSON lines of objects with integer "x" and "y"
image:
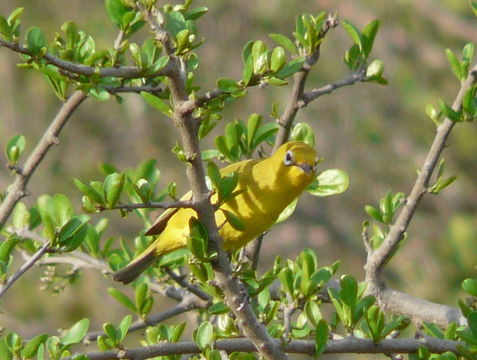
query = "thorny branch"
{"x": 392, "y": 300}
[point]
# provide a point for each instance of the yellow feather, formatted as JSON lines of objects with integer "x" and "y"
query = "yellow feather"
{"x": 266, "y": 187}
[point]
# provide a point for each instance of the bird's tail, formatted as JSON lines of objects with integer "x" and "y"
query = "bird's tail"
{"x": 131, "y": 271}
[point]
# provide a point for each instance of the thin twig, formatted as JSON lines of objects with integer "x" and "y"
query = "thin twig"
{"x": 18, "y": 189}
{"x": 186, "y": 285}
{"x": 124, "y": 72}
{"x": 348, "y": 345}
{"x": 152, "y": 205}
{"x": 24, "y": 268}
{"x": 357, "y": 76}
{"x": 189, "y": 302}
{"x": 156, "y": 89}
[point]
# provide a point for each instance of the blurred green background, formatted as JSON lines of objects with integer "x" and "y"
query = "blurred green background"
{"x": 379, "y": 135}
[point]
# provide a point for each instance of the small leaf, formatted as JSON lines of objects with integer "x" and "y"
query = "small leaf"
{"x": 287, "y": 212}
{"x": 234, "y": 220}
{"x": 321, "y": 336}
{"x": 124, "y": 326}
{"x": 227, "y": 85}
{"x": 455, "y": 64}
{"x": 292, "y": 67}
{"x": 304, "y": 133}
{"x": 253, "y": 124}
{"x": 116, "y": 11}
{"x": 373, "y": 212}
{"x": 285, "y": 42}
{"x": 330, "y": 182}
{"x": 15, "y": 148}
{"x": 76, "y": 333}
{"x": 112, "y": 188}
{"x": 122, "y": 299}
{"x": 353, "y": 32}
{"x": 278, "y": 59}
{"x": 157, "y": 103}
{"x": 470, "y": 286}
{"x": 204, "y": 335}
{"x": 31, "y": 347}
{"x": 35, "y": 40}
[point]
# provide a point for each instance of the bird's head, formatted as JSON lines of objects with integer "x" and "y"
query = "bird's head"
{"x": 298, "y": 160}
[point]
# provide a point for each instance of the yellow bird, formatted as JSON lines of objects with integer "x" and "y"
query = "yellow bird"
{"x": 266, "y": 187}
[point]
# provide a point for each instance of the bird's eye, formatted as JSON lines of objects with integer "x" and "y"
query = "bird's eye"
{"x": 288, "y": 158}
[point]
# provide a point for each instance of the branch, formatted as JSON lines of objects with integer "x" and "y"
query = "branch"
{"x": 151, "y": 205}
{"x": 24, "y": 268}
{"x": 354, "y": 77}
{"x": 189, "y": 287}
{"x": 124, "y": 72}
{"x": 18, "y": 189}
{"x": 234, "y": 292}
{"x": 286, "y": 120}
{"x": 376, "y": 259}
{"x": 188, "y": 302}
{"x": 380, "y": 256}
{"x": 348, "y": 345}
{"x": 134, "y": 89}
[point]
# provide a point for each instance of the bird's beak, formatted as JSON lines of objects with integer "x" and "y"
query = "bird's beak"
{"x": 307, "y": 168}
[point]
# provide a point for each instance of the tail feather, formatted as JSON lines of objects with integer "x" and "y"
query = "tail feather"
{"x": 131, "y": 271}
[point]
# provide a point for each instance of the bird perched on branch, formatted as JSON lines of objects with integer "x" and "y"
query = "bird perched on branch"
{"x": 265, "y": 188}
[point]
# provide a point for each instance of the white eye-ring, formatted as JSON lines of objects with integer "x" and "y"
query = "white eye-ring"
{"x": 289, "y": 159}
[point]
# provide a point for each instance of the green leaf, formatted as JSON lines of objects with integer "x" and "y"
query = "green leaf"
{"x": 76, "y": 333}
{"x": 194, "y": 14}
{"x": 329, "y": 182}
{"x": 285, "y": 42}
{"x": 122, "y": 299}
{"x": 197, "y": 242}
{"x": 204, "y": 335}
{"x": 374, "y": 70}
{"x": 124, "y": 326}
{"x": 35, "y": 40}
{"x": 264, "y": 133}
{"x": 455, "y": 64}
{"x": 112, "y": 188}
{"x": 234, "y": 220}
{"x": 31, "y": 347}
{"x": 449, "y": 112}
{"x": 368, "y": 36}
{"x": 7, "y": 247}
{"x": 321, "y": 336}
{"x": 278, "y": 59}
{"x": 157, "y": 103}
{"x": 20, "y": 217}
{"x": 304, "y": 133}
{"x": 247, "y": 71}
{"x": 287, "y": 212}
{"x": 274, "y": 81}
{"x": 353, "y": 32}
{"x": 116, "y": 11}
{"x": 292, "y": 67}
{"x": 214, "y": 174}
{"x": 470, "y": 286}
{"x": 313, "y": 313}
{"x": 373, "y": 212}
{"x": 253, "y": 124}
{"x": 91, "y": 192}
{"x": 71, "y": 234}
{"x": 227, "y": 85}
{"x": 4, "y": 27}
{"x": 260, "y": 58}
{"x": 15, "y": 148}
{"x": 286, "y": 278}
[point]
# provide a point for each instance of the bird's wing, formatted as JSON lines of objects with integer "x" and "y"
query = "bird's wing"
{"x": 161, "y": 222}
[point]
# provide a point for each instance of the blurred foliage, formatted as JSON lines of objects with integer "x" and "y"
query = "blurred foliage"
{"x": 379, "y": 135}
